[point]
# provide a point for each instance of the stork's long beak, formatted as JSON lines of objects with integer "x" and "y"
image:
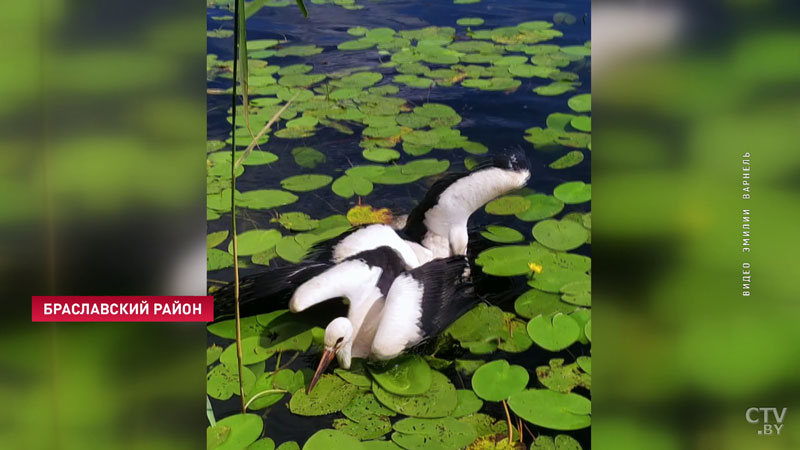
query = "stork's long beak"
{"x": 327, "y": 357}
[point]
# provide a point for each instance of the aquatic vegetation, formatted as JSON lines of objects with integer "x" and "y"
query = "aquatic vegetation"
{"x": 343, "y": 141}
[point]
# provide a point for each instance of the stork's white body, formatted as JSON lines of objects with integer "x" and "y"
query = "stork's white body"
{"x": 398, "y": 328}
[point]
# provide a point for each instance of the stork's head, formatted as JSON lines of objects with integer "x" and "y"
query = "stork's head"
{"x": 338, "y": 342}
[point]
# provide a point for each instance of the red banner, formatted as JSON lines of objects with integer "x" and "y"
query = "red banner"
{"x": 122, "y": 309}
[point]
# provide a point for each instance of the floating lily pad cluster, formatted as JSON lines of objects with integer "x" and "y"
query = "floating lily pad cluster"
{"x": 541, "y": 237}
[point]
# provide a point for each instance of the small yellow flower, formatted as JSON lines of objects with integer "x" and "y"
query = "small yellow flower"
{"x": 537, "y": 268}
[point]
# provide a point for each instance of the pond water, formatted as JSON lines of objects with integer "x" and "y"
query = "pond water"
{"x": 497, "y": 119}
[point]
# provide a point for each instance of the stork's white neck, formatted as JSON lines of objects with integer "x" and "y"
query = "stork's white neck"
{"x": 447, "y": 220}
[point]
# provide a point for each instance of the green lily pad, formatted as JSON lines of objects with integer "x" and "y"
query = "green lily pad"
{"x": 382, "y": 132}
{"x": 511, "y": 60}
{"x": 546, "y": 138}
{"x": 288, "y": 380}
{"x": 304, "y": 183}
{"x": 503, "y": 235}
{"x": 508, "y": 205}
{"x": 263, "y": 384}
{"x": 300, "y": 79}
{"x": 332, "y": 440}
{"x": 255, "y": 241}
{"x": 380, "y": 445}
{"x": 290, "y": 250}
{"x": 380, "y": 154}
{"x": 554, "y": 334}
{"x": 366, "y": 405}
{"x": 553, "y": 278}
{"x": 359, "y": 80}
{"x": 413, "y": 120}
{"x": 560, "y": 378}
{"x": 484, "y": 329}
{"x": 475, "y": 148}
{"x": 212, "y": 354}
{"x": 217, "y": 259}
{"x": 254, "y": 349}
{"x": 262, "y": 444}
{"x": 554, "y": 410}
{"x": 294, "y": 69}
{"x": 571, "y": 159}
{"x": 308, "y": 157}
{"x": 258, "y": 158}
{"x": 577, "y": 293}
{"x": 529, "y": 71}
{"x": 468, "y": 366}
{"x": 535, "y": 302}
{"x": 585, "y": 363}
{"x": 265, "y": 199}
{"x": 468, "y": 403}
{"x": 406, "y": 375}
{"x": 497, "y": 380}
{"x": 434, "y": 110}
{"x": 580, "y": 103}
{"x": 303, "y": 122}
{"x": 555, "y": 88}
{"x": 234, "y": 432}
{"x": 573, "y": 192}
{"x": 356, "y": 44}
{"x": 290, "y": 445}
{"x": 348, "y": 185}
{"x": 541, "y": 207}
{"x": 330, "y": 395}
{"x": 222, "y": 382}
{"x": 354, "y": 377}
{"x": 470, "y": 21}
{"x": 369, "y": 427}
{"x": 357, "y": 31}
{"x": 587, "y": 330}
{"x": 485, "y": 425}
{"x": 560, "y": 234}
{"x": 345, "y": 93}
{"x": 295, "y": 132}
{"x": 445, "y": 433}
{"x": 414, "y": 81}
{"x": 512, "y": 259}
{"x": 298, "y": 50}
{"x": 514, "y": 338}
{"x": 438, "y": 401}
{"x": 582, "y": 123}
{"x": 559, "y": 121}
{"x": 296, "y": 221}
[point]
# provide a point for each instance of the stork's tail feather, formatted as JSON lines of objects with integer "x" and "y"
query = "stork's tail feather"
{"x": 265, "y": 291}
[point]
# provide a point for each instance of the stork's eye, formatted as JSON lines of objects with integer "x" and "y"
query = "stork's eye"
{"x": 339, "y": 341}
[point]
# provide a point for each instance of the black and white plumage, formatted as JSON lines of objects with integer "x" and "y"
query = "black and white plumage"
{"x": 439, "y": 222}
{"x": 363, "y": 280}
{"x": 421, "y": 303}
{"x": 436, "y": 228}
{"x": 273, "y": 288}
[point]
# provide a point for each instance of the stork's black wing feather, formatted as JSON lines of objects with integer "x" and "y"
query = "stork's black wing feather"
{"x": 447, "y": 294}
{"x": 265, "y": 291}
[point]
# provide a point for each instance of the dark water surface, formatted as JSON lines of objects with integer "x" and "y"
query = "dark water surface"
{"x": 495, "y": 119}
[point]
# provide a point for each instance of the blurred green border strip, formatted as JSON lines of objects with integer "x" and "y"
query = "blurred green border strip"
{"x": 681, "y": 93}
{"x": 102, "y": 181}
